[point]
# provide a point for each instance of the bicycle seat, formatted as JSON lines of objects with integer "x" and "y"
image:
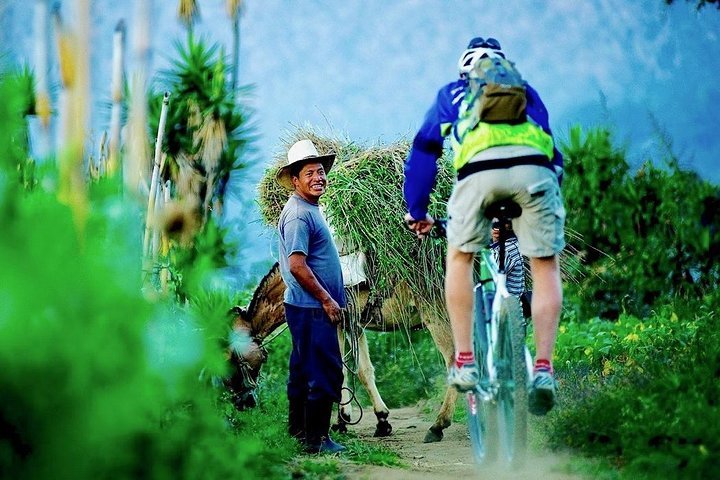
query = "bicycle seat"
{"x": 505, "y": 208}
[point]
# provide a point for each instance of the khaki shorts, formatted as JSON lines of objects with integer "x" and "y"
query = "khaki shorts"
{"x": 540, "y": 227}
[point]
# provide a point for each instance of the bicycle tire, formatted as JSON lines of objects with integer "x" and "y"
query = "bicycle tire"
{"x": 513, "y": 380}
{"x": 481, "y": 414}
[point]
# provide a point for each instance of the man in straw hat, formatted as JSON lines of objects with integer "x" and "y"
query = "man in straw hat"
{"x": 314, "y": 298}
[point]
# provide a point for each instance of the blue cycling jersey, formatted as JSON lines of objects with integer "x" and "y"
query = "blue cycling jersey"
{"x": 427, "y": 146}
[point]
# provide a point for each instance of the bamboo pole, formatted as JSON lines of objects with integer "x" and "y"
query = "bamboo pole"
{"x": 157, "y": 208}
{"x": 165, "y": 245}
{"x": 65, "y": 61}
{"x": 116, "y": 88}
{"x": 135, "y": 165}
{"x": 155, "y": 173}
{"x": 42, "y": 95}
{"x": 234, "y": 8}
{"x": 76, "y": 77}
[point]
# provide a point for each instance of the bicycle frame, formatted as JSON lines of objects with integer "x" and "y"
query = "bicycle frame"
{"x": 488, "y": 392}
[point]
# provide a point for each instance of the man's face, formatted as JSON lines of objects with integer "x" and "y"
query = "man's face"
{"x": 311, "y": 181}
{"x": 495, "y": 234}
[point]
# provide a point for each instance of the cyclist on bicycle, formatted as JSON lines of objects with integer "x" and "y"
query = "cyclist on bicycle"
{"x": 493, "y": 162}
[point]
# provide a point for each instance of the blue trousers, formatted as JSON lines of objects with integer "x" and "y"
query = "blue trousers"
{"x": 315, "y": 363}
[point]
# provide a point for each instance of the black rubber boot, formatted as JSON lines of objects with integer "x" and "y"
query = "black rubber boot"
{"x": 296, "y": 417}
{"x": 317, "y": 439}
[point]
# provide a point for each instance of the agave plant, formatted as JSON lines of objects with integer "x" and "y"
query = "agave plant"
{"x": 207, "y": 130}
{"x": 205, "y": 137}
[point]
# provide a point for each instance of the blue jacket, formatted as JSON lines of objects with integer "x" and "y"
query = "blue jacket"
{"x": 427, "y": 147}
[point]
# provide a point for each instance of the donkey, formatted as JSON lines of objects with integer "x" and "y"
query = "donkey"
{"x": 265, "y": 313}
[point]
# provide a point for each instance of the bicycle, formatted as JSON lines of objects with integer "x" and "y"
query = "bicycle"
{"x": 498, "y": 406}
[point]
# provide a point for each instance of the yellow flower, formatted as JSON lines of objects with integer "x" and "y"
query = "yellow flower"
{"x": 632, "y": 337}
{"x": 607, "y": 368}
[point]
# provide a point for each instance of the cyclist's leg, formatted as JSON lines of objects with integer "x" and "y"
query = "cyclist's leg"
{"x": 459, "y": 297}
{"x": 546, "y": 303}
{"x": 463, "y": 374}
{"x": 467, "y": 232}
{"x": 540, "y": 231}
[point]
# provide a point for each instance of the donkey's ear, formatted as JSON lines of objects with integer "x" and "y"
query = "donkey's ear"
{"x": 238, "y": 311}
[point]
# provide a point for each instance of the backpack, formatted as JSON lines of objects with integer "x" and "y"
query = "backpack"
{"x": 496, "y": 92}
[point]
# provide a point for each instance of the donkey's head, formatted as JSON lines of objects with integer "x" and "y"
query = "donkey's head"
{"x": 262, "y": 316}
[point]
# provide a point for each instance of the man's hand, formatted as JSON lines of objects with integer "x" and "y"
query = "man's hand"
{"x": 420, "y": 227}
{"x": 306, "y": 278}
{"x": 333, "y": 310}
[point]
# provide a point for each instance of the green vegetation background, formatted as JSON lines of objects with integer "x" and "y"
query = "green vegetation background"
{"x": 97, "y": 381}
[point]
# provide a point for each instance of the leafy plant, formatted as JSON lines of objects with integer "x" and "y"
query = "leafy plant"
{"x": 207, "y": 130}
{"x": 98, "y": 382}
{"x": 644, "y": 392}
{"x": 644, "y": 237}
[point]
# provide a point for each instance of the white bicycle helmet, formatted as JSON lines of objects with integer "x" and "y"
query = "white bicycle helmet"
{"x": 477, "y": 49}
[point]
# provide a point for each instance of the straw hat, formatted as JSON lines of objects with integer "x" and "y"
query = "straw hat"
{"x": 301, "y": 152}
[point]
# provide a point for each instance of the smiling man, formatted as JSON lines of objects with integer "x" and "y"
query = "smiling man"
{"x": 314, "y": 298}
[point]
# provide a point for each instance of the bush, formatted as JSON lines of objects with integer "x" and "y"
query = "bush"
{"x": 646, "y": 240}
{"x": 97, "y": 382}
{"x": 645, "y": 393}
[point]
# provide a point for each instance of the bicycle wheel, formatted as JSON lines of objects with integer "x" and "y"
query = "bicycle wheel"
{"x": 482, "y": 413}
{"x": 512, "y": 378}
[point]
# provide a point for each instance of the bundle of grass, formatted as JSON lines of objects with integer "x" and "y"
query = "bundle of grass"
{"x": 364, "y": 206}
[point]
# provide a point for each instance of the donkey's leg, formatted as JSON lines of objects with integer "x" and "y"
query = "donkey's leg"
{"x": 441, "y": 334}
{"x": 345, "y": 407}
{"x": 366, "y": 373}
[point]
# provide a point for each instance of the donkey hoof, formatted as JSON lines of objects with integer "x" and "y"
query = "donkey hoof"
{"x": 383, "y": 429}
{"x": 340, "y": 427}
{"x": 433, "y": 435}
{"x": 343, "y": 417}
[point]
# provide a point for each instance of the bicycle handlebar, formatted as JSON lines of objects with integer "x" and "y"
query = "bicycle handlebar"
{"x": 438, "y": 230}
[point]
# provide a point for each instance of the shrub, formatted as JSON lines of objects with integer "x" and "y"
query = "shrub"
{"x": 97, "y": 382}
{"x": 644, "y": 393}
{"x": 646, "y": 240}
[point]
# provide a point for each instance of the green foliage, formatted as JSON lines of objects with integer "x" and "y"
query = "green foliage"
{"x": 210, "y": 307}
{"x": 206, "y": 134}
{"x": 644, "y": 239}
{"x": 603, "y": 348}
{"x": 197, "y": 267}
{"x": 12, "y": 151}
{"x": 199, "y": 94}
{"x": 648, "y": 397}
{"x": 96, "y": 381}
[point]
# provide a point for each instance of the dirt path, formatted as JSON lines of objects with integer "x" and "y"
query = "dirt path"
{"x": 451, "y": 458}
